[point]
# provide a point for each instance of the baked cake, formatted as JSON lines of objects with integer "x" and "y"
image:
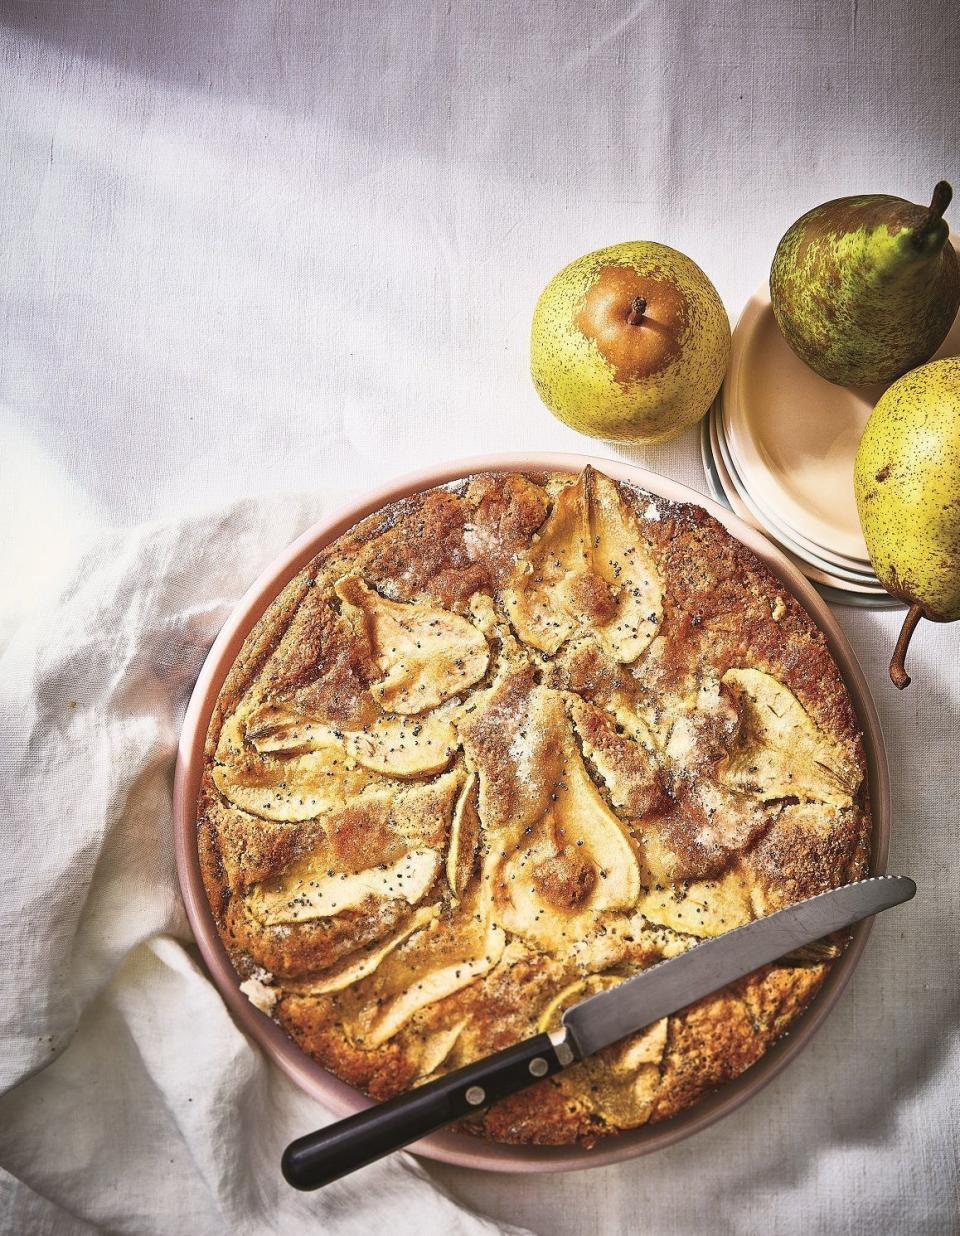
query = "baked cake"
{"x": 503, "y": 744}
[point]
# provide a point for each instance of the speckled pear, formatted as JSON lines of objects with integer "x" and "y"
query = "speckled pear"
{"x": 907, "y": 480}
{"x": 630, "y": 343}
{"x": 866, "y": 288}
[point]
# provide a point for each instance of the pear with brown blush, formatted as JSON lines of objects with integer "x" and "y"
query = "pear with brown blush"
{"x": 630, "y": 343}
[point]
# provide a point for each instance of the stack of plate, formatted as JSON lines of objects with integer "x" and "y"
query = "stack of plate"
{"x": 778, "y": 447}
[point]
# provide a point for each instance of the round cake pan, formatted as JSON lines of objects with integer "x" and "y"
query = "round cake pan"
{"x": 334, "y": 1095}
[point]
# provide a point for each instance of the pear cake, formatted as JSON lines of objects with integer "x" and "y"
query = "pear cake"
{"x": 502, "y": 745}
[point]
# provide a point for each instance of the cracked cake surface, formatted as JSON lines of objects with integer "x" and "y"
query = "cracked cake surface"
{"x": 502, "y": 745}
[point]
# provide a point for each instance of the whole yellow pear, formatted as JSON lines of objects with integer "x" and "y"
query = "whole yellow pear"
{"x": 630, "y": 343}
{"x": 907, "y": 482}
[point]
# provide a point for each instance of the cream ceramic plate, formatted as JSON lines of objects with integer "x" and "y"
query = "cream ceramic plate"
{"x": 794, "y": 436}
{"x": 836, "y": 590}
{"x": 863, "y": 578}
{"x": 820, "y": 553}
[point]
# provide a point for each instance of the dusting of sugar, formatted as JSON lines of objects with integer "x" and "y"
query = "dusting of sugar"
{"x": 479, "y": 541}
{"x": 651, "y": 512}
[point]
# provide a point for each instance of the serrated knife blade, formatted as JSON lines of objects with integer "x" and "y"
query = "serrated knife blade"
{"x": 670, "y": 985}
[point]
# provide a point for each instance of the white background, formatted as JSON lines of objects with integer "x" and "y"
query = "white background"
{"x": 251, "y": 248}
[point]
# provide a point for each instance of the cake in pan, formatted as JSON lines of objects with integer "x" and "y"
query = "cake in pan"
{"x": 497, "y": 748}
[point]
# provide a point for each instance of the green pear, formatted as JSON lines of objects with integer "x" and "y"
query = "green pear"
{"x": 630, "y": 343}
{"x": 907, "y": 481}
{"x": 866, "y": 288}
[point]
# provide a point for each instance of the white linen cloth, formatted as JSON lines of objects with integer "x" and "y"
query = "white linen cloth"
{"x": 136, "y": 1103}
{"x": 252, "y": 249}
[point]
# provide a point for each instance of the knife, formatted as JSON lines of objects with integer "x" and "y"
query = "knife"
{"x": 343, "y": 1147}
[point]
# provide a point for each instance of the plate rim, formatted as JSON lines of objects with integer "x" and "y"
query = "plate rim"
{"x": 785, "y": 537}
{"x": 456, "y": 1148}
{"x": 830, "y": 592}
{"x": 853, "y": 595}
{"x": 779, "y": 525}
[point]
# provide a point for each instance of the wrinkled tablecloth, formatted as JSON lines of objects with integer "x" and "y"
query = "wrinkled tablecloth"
{"x": 252, "y": 249}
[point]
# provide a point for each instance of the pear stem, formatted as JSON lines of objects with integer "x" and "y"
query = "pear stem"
{"x": 898, "y": 674}
{"x": 942, "y": 196}
{"x": 637, "y": 310}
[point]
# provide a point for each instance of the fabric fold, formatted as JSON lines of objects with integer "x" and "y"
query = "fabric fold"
{"x": 132, "y": 1103}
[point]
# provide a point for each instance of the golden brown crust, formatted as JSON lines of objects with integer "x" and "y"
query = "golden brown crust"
{"x": 413, "y": 913}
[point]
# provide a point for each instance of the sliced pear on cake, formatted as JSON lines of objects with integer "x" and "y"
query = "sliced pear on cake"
{"x": 404, "y": 747}
{"x": 425, "y": 654}
{"x": 448, "y": 955}
{"x": 308, "y": 890}
{"x": 579, "y": 863}
{"x": 779, "y": 751}
{"x": 464, "y": 836}
{"x": 701, "y": 908}
{"x": 590, "y": 569}
{"x": 303, "y": 771}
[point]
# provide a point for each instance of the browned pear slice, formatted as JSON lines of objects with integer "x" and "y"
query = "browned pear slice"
{"x": 438, "y": 1047}
{"x": 512, "y": 734}
{"x": 404, "y": 747}
{"x": 627, "y": 1074}
{"x": 647, "y": 1047}
{"x": 779, "y": 751}
{"x": 425, "y": 654}
{"x": 357, "y": 968}
{"x": 271, "y": 729}
{"x": 556, "y": 552}
{"x": 448, "y": 956}
{"x": 588, "y": 568}
{"x": 308, "y": 890}
{"x": 464, "y": 835}
{"x": 292, "y": 788}
{"x": 572, "y": 994}
{"x": 627, "y": 766}
{"x": 620, "y": 557}
{"x": 701, "y": 908}
{"x": 579, "y": 864}
{"x": 437, "y": 984}
{"x": 583, "y": 820}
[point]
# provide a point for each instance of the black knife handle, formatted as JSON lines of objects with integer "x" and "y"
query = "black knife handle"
{"x": 324, "y": 1156}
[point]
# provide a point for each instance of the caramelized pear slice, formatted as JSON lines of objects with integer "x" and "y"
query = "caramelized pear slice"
{"x": 580, "y": 863}
{"x": 404, "y": 747}
{"x": 425, "y": 654}
{"x": 274, "y": 764}
{"x": 437, "y": 984}
{"x": 272, "y": 729}
{"x": 308, "y": 890}
{"x": 437, "y": 1048}
{"x": 558, "y": 551}
{"x": 619, "y": 556}
{"x": 589, "y": 568}
{"x": 627, "y": 767}
{"x": 572, "y": 994}
{"x": 357, "y": 968}
{"x": 448, "y": 956}
{"x": 464, "y": 835}
{"x": 779, "y": 752}
{"x": 701, "y": 908}
{"x": 626, "y": 1075}
{"x": 513, "y": 735}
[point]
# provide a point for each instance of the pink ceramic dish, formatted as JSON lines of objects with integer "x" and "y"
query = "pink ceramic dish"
{"x": 333, "y": 1094}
